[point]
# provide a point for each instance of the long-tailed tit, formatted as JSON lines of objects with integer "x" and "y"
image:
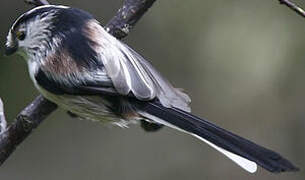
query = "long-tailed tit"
{"x": 75, "y": 63}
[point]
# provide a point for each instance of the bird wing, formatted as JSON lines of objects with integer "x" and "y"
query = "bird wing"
{"x": 131, "y": 73}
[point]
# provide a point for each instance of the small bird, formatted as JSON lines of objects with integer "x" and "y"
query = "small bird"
{"x": 75, "y": 63}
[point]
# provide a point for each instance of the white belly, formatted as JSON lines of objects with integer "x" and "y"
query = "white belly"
{"x": 86, "y": 107}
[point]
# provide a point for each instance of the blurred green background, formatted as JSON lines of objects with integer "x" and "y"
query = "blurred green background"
{"x": 241, "y": 61}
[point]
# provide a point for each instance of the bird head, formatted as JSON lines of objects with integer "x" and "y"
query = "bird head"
{"x": 47, "y": 29}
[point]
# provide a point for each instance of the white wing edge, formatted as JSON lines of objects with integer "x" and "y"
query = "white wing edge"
{"x": 244, "y": 163}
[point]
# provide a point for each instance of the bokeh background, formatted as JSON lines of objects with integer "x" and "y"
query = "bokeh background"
{"x": 241, "y": 61}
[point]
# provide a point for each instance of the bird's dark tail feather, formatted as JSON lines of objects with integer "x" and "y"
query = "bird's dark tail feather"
{"x": 230, "y": 144}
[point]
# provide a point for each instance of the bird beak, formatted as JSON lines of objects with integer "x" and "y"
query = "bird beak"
{"x": 9, "y": 50}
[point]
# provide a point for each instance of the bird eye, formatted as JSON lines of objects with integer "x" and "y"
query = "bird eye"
{"x": 20, "y": 35}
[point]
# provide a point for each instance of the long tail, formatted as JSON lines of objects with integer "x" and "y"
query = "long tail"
{"x": 242, "y": 151}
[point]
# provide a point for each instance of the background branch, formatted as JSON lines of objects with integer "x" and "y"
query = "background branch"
{"x": 119, "y": 26}
{"x": 127, "y": 17}
{"x": 293, "y": 6}
{"x": 37, "y": 2}
{"x": 3, "y": 123}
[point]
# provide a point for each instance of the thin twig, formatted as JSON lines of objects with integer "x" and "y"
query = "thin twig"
{"x": 293, "y": 6}
{"x": 3, "y": 122}
{"x": 40, "y": 108}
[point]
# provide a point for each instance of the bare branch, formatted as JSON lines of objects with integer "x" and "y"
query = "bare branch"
{"x": 293, "y": 6}
{"x": 40, "y": 108}
{"x": 25, "y": 122}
